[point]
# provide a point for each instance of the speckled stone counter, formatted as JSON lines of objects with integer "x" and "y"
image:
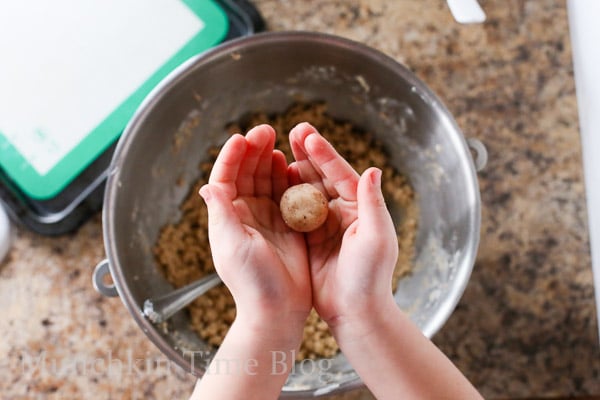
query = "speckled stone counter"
{"x": 526, "y": 324}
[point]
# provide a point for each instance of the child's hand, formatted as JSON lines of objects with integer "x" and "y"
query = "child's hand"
{"x": 260, "y": 259}
{"x": 264, "y": 265}
{"x": 352, "y": 256}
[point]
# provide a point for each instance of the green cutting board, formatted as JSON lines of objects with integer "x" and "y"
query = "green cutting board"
{"x": 72, "y": 74}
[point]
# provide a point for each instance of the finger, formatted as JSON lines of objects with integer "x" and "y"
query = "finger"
{"x": 375, "y": 226}
{"x": 279, "y": 175}
{"x": 294, "y": 174}
{"x": 256, "y": 140}
{"x": 226, "y": 167}
{"x": 297, "y": 174}
{"x": 297, "y": 136}
{"x": 307, "y": 171}
{"x": 263, "y": 184}
{"x": 224, "y": 225}
{"x": 373, "y": 215}
{"x": 338, "y": 176}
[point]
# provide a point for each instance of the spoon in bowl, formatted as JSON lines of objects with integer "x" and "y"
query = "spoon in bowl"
{"x": 160, "y": 309}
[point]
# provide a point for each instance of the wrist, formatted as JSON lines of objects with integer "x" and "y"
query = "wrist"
{"x": 281, "y": 331}
{"x": 368, "y": 319}
{"x": 254, "y": 360}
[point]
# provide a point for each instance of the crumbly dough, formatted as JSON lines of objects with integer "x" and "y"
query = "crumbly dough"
{"x": 183, "y": 252}
{"x": 303, "y": 207}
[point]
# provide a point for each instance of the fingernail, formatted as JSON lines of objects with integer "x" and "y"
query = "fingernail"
{"x": 205, "y": 193}
{"x": 376, "y": 177}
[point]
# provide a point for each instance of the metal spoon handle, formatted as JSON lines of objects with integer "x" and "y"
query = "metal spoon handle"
{"x": 162, "y": 308}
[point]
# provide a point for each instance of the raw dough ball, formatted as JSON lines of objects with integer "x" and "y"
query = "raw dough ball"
{"x": 303, "y": 207}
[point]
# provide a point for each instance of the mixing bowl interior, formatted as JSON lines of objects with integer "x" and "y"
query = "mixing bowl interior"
{"x": 169, "y": 137}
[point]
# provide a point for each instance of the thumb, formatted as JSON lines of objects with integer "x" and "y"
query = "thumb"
{"x": 373, "y": 214}
{"x": 376, "y": 229}
{"x": 224, "y": 224}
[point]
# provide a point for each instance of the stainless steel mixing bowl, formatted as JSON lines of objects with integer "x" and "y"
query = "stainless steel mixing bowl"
{"x": 170, "y": 133}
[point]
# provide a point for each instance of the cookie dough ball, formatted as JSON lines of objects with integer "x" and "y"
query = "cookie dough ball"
{"x": 303, "y": 207}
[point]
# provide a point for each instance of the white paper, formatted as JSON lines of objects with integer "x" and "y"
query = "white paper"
{"x": 65, "y": 65}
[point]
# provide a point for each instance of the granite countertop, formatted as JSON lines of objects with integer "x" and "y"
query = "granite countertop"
{"x": 526, "y": 325}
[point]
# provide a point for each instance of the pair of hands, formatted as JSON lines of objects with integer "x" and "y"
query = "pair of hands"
{"x": 343, "y": 269}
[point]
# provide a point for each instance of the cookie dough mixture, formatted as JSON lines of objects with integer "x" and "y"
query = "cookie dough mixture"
{"x": 183, "y": 252}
